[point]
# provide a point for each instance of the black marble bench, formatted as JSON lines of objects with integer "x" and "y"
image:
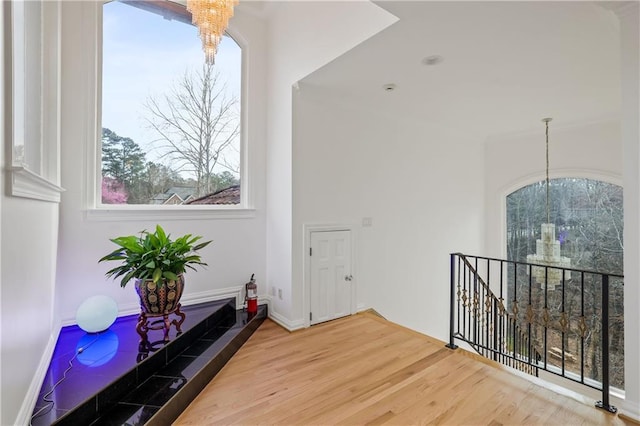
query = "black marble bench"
{"x": 111, "y": 382}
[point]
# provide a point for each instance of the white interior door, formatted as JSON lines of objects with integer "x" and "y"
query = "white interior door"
{"x": 331, "y": 280}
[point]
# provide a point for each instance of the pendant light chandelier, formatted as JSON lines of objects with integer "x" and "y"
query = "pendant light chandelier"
{"x": 547, "y": 247}
{"x": 211, "y": 17}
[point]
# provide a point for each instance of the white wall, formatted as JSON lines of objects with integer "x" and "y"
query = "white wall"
{"x": 629, "y": 14}
{"x": 512, "y": 161}
{"x": 323, "y": 30}
{"x": 238, "y": 247}
{"x": 239, "y": 243}
{"x": 611, "y": 153}
{"x": 29, "y": 234}
{"x": 418, "y": 182}
{"x": 28, "y": 255}
{"x": 431, "y": 205}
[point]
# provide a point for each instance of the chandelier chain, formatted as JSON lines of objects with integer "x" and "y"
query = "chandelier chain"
{"x": 546, "y": 122}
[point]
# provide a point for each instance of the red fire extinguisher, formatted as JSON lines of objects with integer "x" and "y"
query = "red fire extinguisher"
{"x": 251, "y": 296}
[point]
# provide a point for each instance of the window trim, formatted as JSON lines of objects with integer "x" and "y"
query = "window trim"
{"x": 35, "y": 176}
{"x": 94, "y": 209}
{"x": 144, "y": 212}
{"x": 560, "y": 173}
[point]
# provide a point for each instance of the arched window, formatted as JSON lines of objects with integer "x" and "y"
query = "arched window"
{"x": 170, "y": 123}
{"x": 588, "y": 219}
{"x": 588, "y": 216}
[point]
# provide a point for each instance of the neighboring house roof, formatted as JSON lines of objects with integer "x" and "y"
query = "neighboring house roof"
{"x": 174, "y": 199}
{"x": 175, "y": 195}
{"x": 230, "y": 195}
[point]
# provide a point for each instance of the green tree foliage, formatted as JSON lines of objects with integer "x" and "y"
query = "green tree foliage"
{"x": 222, "y": 180}
{"x": 124, "y": 161}
{"x": 125, "y": 171}
{"x": 158, "y": 178}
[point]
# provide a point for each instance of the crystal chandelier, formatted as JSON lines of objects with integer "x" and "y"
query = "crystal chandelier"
{"x": 211, "y": 17}
{"x": 547, "y": 247}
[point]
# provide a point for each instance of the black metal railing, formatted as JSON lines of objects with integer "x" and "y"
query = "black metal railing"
{"x": 535, "y": 317}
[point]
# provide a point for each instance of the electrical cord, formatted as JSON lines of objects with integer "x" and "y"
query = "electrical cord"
{"x": 50, "y": 402}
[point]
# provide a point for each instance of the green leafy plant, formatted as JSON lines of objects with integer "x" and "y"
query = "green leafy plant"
{"x": 154, "y": 256}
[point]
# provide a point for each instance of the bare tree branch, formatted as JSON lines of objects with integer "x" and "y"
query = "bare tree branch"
{"x": 198, "y": 126}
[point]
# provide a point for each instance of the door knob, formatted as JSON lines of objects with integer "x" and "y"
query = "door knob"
{"x": 348, "y": 277}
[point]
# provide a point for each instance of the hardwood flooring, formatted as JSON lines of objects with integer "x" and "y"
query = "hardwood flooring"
{"x": 365, "y": 370}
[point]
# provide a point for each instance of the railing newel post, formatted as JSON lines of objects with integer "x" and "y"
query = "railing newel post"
{"x": 604, "y": 333}
{"x": 451, "y": 344}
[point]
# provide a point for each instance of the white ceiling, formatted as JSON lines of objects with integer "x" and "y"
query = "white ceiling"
{"x": 506, "y": 65}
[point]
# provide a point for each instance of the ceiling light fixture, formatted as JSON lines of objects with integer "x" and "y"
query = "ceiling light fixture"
{"x": 547, "y": 247}
{"x": 211, "y": 17}
{"x": 432, "y": 60}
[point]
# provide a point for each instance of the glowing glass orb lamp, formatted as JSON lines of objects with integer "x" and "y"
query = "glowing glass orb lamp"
{"x": 96, "y": 313}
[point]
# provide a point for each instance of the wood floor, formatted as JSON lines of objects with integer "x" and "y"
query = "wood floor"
{"x": 364, "y": 370}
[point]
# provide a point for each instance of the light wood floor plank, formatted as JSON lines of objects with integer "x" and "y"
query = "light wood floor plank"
{"x": 364, "y": 370}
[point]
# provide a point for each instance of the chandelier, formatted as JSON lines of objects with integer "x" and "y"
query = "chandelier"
{"x": 211, "y": 17}
{"x": 547, "y": 247}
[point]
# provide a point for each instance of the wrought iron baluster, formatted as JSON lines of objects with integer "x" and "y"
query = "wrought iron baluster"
{"x": 501, "y": 313}
{"x": 487, "y": 308}
{"x": 604, "y": 404}
{"x": 545, "y": 314}
{"x": 582, "y": 326}
{"x": 530, "y": 315}
{"x": 564, "y": 323}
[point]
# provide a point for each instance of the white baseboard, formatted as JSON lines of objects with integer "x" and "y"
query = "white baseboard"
{"x": 236, "y": 292}
{"x": 31, "y": 398}
{"x": 286, "y": 323}
{"x": 264, "y": 299}
{"x": 632, "y": 414}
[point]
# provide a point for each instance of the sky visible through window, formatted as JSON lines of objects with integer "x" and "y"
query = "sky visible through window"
{"x": 143, "y": 55}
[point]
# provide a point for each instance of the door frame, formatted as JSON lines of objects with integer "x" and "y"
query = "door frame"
{"x": 306, "y": 265}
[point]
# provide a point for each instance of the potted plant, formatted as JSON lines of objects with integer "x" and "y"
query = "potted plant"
{"x": 156, "y": 263}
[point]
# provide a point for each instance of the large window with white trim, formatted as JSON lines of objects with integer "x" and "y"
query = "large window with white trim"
{"x": 588, "y": 218}
{"x": 171, "y": 130}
